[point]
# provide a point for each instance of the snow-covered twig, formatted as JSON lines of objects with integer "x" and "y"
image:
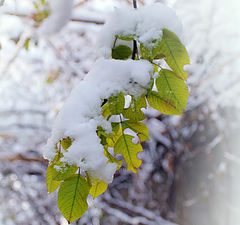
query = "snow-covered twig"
{"x": 135, "y": 212}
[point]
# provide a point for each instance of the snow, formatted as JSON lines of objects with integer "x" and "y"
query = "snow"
{"x": 144, "y": 24}
{"x": 81, "y": 114}
{"x": 60, "y": 14}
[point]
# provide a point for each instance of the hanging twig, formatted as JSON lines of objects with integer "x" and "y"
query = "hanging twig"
{"x": 134, "y": 41}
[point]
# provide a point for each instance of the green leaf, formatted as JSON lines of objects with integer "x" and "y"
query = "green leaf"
{"x": 62, "y": 171}
{"x": 164, "y": 105}
{"x": 121, "y": 52}
{"x": 173, "y": 89}
{"x": 138, "y": 127}
{"x": 66, "y": 143}
{"x": 116, "y": 104}
{"x": 98, "y": 188}
{"x": 129, "y": 151}
{"x": 52, "y": 184}
{"x": 134, "y": 111}
{"x": 175, "y": 52}
{"x": 72, "y": 197}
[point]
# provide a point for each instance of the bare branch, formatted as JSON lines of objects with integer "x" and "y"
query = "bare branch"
{"x": 80, "y": 20}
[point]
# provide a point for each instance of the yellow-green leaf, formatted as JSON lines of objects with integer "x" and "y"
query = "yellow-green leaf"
{"x": 98, "y": 188}
{"x": 175, "y": 53}
{"x": 52, "y": 184}
{"x": 172, "y": 89}
{"x": 162, "y": 104}
{"x": 138, "y": 127}
{"x": 72, "y": 197}
{"x": 129, "y": 151}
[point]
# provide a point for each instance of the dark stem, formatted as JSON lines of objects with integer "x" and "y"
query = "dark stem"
{"x": 134, "y": 42}
{"x": 134, "y": 49}
{"x": 135, "y": 4}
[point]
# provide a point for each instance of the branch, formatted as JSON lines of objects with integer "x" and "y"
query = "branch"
{"x": 135, "y": 211}
{"x": 97, "y": 22}
{"x": 20, "y": 157}
{"x": 134, "y": 41}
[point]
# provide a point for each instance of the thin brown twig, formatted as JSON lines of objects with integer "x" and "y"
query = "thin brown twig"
{"x": 20, "y": 157}
{"x": 81, "y": 3}
{"x": 98, "y": 22}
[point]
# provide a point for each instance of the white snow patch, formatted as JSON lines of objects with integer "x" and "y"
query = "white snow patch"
{"x": 145, "y": 24}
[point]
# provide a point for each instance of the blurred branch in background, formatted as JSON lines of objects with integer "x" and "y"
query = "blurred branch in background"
{"x": 74, "y": 19}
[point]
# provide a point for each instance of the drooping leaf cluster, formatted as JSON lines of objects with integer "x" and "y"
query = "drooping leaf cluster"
{"x": 167, "y": 94}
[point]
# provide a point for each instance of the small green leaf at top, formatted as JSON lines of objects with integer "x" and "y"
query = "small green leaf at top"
{"x": 121, "y": 52}
{"x": 72, "y": 197}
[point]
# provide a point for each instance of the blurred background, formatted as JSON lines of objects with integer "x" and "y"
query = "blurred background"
{"x": 190, "y": 169}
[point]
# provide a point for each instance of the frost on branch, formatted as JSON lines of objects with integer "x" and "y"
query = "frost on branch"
{"x": 95, "y": 124}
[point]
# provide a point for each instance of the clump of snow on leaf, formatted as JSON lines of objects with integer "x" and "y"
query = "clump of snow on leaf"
{"x": 60, "y": 12}
{"x": 144, "y": 24}
{"x": 81, "y": 114}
